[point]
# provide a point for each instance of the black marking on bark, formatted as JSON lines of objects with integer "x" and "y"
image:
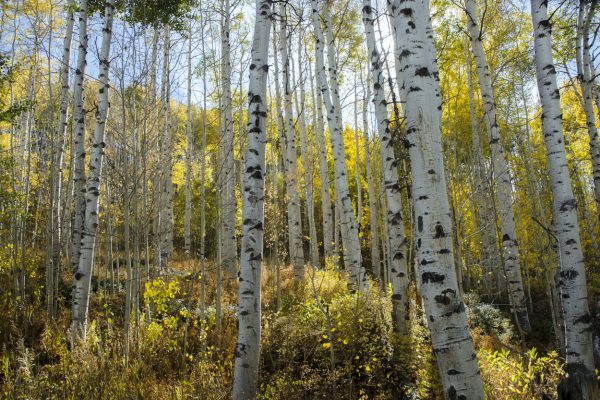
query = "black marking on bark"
{"x": 433, "y": 277}
{"x": 569, "y": 275}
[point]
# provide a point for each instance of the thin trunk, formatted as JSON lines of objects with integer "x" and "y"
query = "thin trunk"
{"x": 348, "y": 228}
{"x": 504, "y": 195}
{"x": 307, "y": 160}
{"x": 188, "y": 155}
{"x": 296, "y": 247}
{"x": 227, "y": 168}
{"x": 583, "y": 62}
{"x": 319, "y": 127}
{"x": 375, "y": 255}
{"x": 79, "y": 137}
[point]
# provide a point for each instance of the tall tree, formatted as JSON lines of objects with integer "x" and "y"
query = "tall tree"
{"x": 399, "y": 245}
{"x": 295, "y": 237}
{"x": 78, "y": 149}
{"x": 451, "y": 341}
{"x": 502, "y": 174}
{"x": 83, "y": 275}
{"x": 330, "y": 95}
{"x": 227, "y": 167}
{"x": 580, "y": 382}
{"x": 247, "y": 348}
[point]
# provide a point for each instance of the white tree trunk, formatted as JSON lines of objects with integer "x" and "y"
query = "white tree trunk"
{"x": 399, "y": 256}
{"x": 56, "y": 213}
{"x": 165, "y": 225}
{"x": 487, "y": 219}
{"x": 307, "y": 160}
{"x": 188, "y": 155}
{"x": 83, "y": 275}
{"x": 319, "y": 127}
{"x": 504, "y": 195}
{"x": 582, "y": 58}
{"x": 451, "y": 342}
{"x": 573, "y": 285}
{"x": 348, "y": 228}
{"x": 295, "y": 236}
{"x": 375, "y": 255}
{"x": 229, "y": 202}
{"x": 247, "y": 349}
{"x": 79, "y": 136}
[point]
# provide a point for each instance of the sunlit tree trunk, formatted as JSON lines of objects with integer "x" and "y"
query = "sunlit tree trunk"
{"x": 165, "y": 228}
{"x": 375, "y": 254}
{"x": 580, "y": 382}
{"x": 583, "y": 62}
{"x": 399, "y": 256}
{"x": 83, "y": 275}
{"x": 486, "y": 217}
{"x": 307, "y": 159}
{"x": 295, "y": 236}
{"x": 504, "y": 195}
{"x": 56, "y": 231}
{"x": 79, "y": 136}
{"x": 247, "y": 349}
{"x": 319, "y": 127}
{"x": 451, "y": 341}
{"x": 229, "y": 202}
{"x": 188, "y": 154}
{"x": 348, "y": 227}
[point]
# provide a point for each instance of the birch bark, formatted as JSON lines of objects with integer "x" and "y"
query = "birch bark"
{"x": 398, "y": 250}
{"x": 375, "y": 254}
{"x": 79, "y": 136}
{"x": 504, "y": 195}
{"x": 83, "y": 274}
{"x": 580, "y": 382}
{"x": 295, "y": 236}
{"x": 229, "y": 202}
{"x": 451, "y": 342}
{"x": 247, "y": 349}
{"x": 348, "y": 228}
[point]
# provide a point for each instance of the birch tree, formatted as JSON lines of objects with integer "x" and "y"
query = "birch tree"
{"x": 307, "y": 158}
{"x": 586, "y": 82}
{"x": 504, "y": 195}
{"x": 398, "y": 268}
{"x": 247, "y": 348}
{"x": 296, "y": 248}
{"x": 53, "y": 275}
{"x": 319, "y": 129}
{"x": 228, "y": 237}
{"x": 375, "y": 254}
{"x": 451, "y": 341}
{"x": 78, "y": 154}
{"x": 330, "y": 95}
{"x": 580, "y": 382}
{"x": 83, "y": 275}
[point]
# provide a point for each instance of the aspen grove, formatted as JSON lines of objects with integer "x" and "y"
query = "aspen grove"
{"x": 303, "y": 199}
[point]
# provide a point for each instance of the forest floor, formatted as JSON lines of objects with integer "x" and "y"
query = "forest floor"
{"x": 319, "y": 341}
